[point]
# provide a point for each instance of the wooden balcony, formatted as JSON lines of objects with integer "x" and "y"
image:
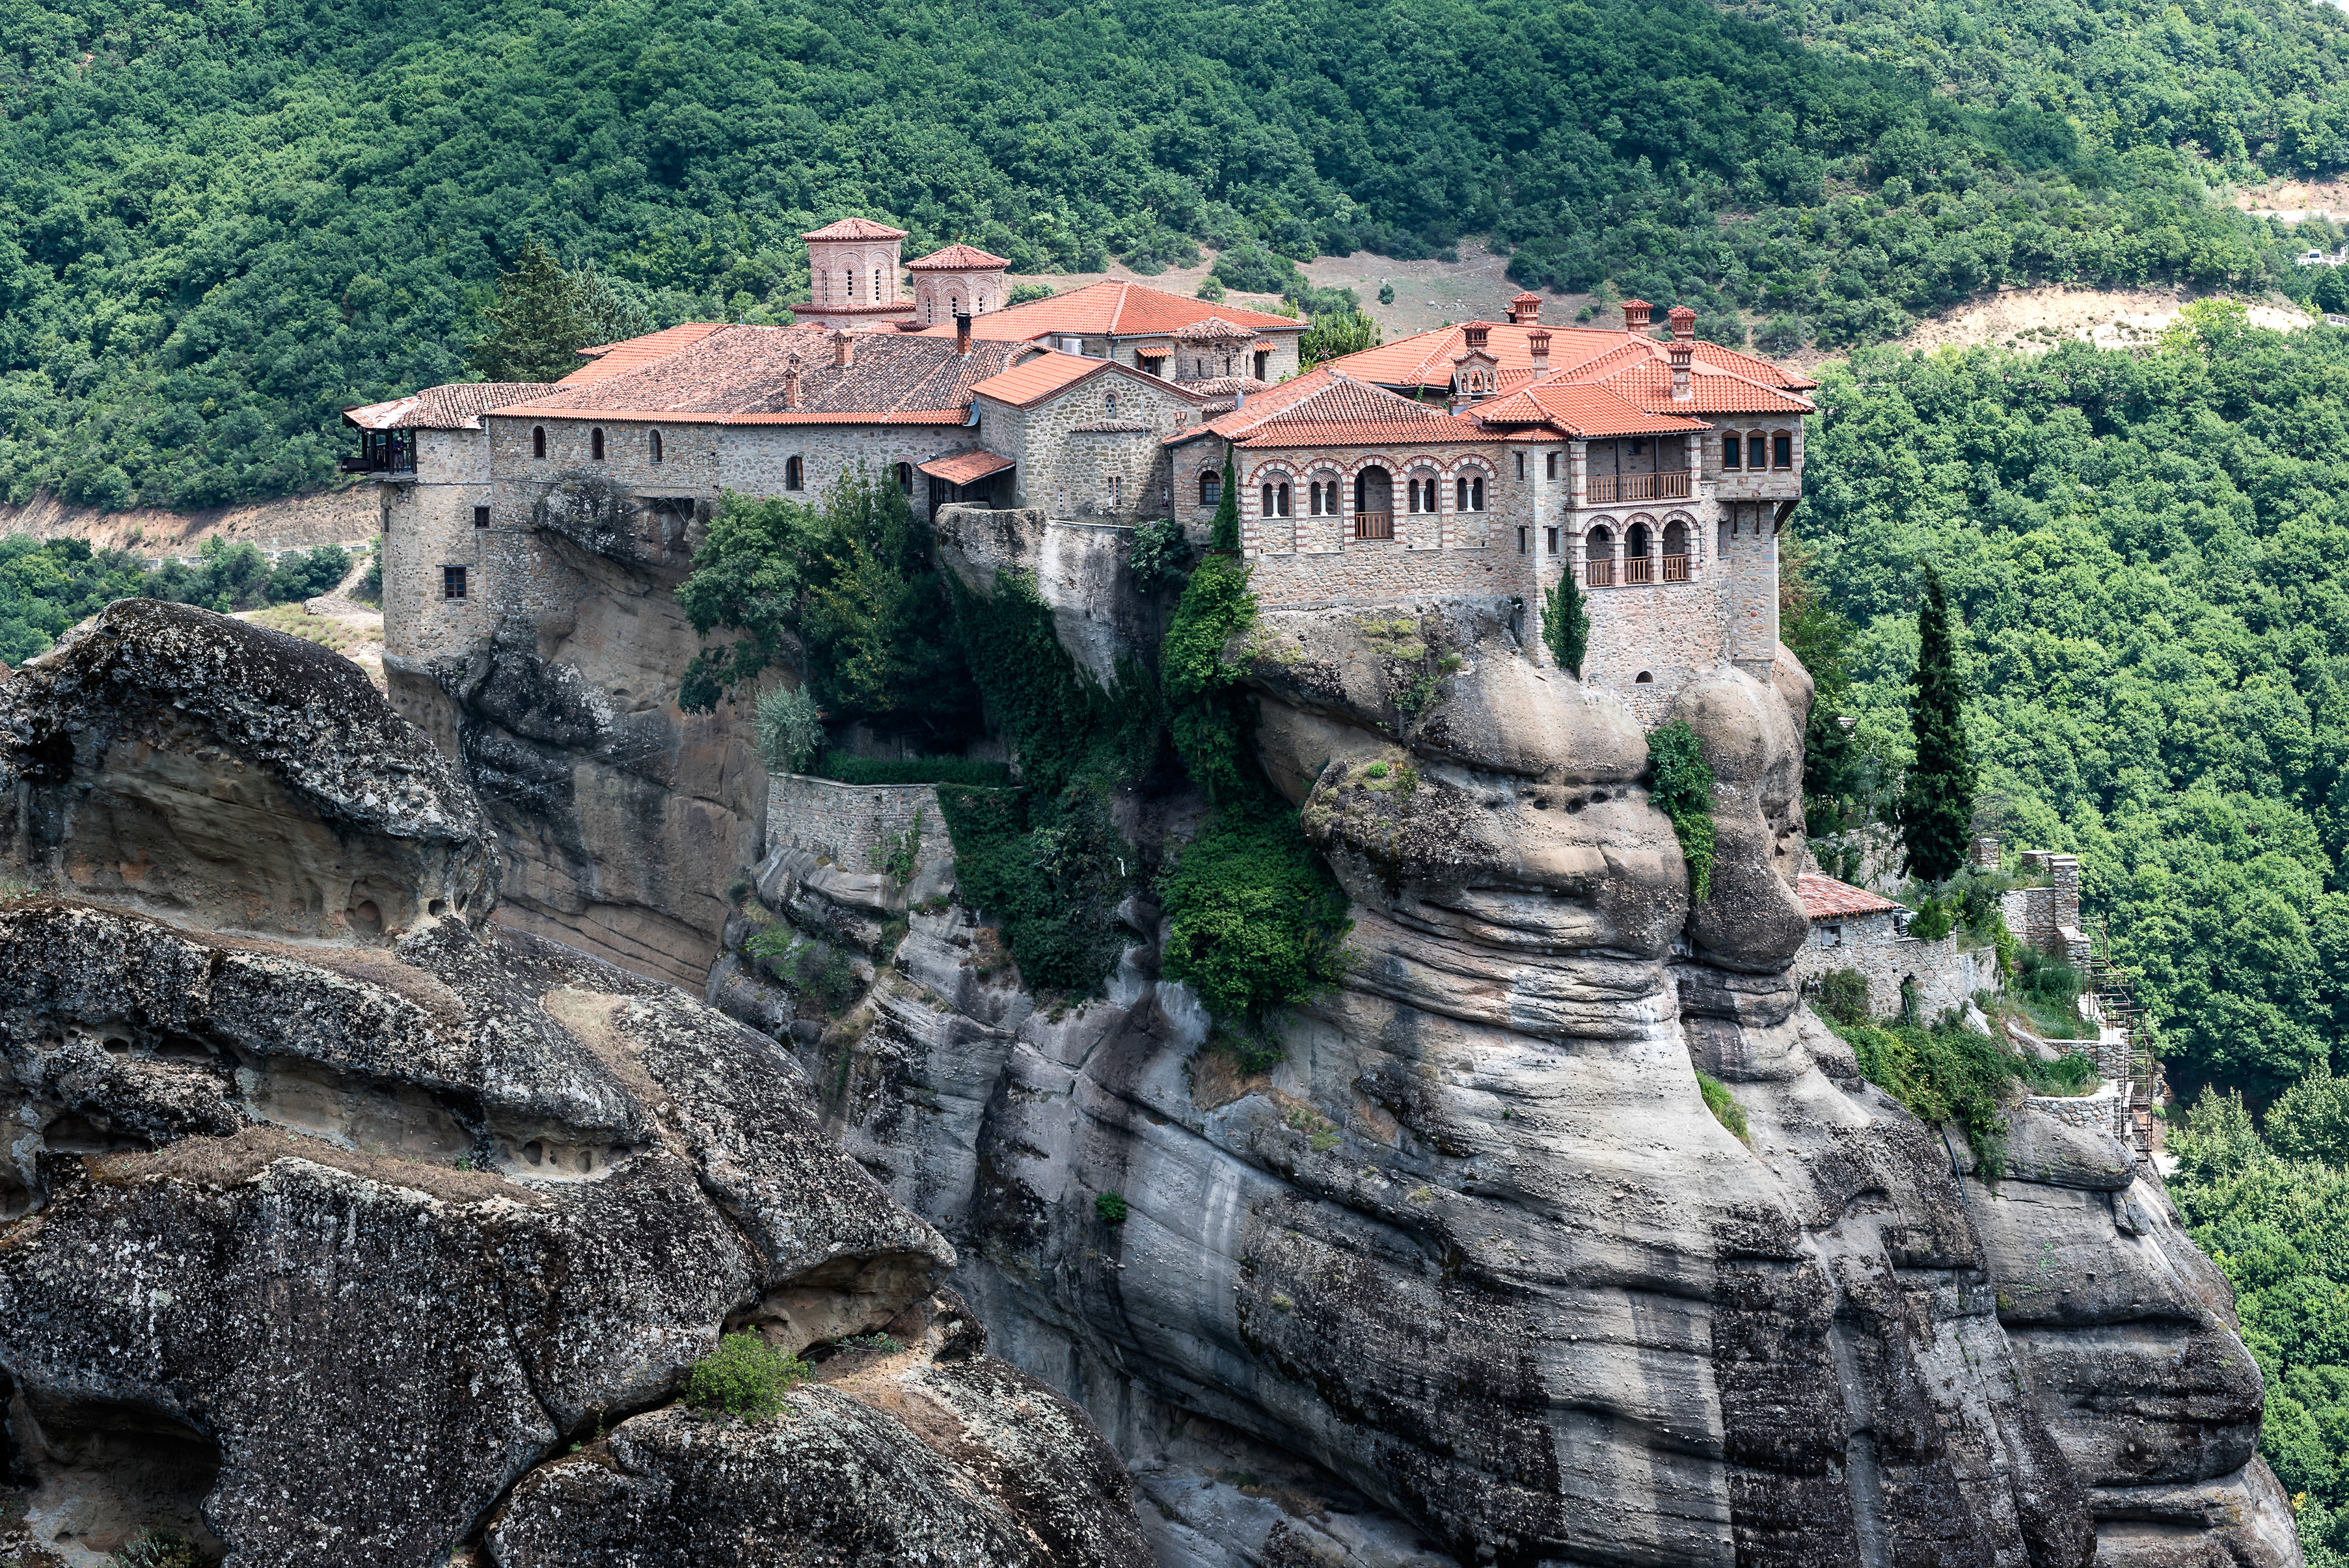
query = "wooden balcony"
{"x": 1374, "y": 525}
{"x": 1634, "y": 570}
{"x": 1676, "y": 568}
{"x": 1639, "y": 569}
{"x": 1613, "y": 489}
{"x": 1601, "y": 573}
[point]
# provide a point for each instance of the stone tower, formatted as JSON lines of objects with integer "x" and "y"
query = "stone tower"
{"x": 961, "y": 280}
{"x": 853, "y": 268}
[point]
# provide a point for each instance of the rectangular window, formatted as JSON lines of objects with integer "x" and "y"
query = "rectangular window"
{"x": 1263, "y": 364}
{"x": 1781, "y": 451}
{"x": 481, "y": 517}
{"x": 1639, "y": 446}
{"x": 1550, "y": 539}
{"x": 1521, "y": 465}
{"x": 1521, "y": 540}
{"x": 1731, "y": 452}
{"x": 1553, "y": 465}
{"x": 452, "y": 583}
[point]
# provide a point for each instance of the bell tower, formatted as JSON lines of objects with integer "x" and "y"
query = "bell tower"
{"x": 853, "y": 268}
{"x": 961, "y": 280}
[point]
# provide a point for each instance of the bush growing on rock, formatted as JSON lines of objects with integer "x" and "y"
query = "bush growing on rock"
{"x": 1681, "y": 788}
{"x": 790, "y": 729}
{"x": 1111, "y": 1207}
{"x": 1841, "y": 994}
{"x": 744, "y": 1377}
{"x": 1724, "y": 1105}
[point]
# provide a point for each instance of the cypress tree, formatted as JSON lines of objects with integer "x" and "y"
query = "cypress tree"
{"x": 1226, "y": 537}
{"x": 1566, "y": 624}
{"x": 1937, "y": 798}
{"x": 536, "y": 328}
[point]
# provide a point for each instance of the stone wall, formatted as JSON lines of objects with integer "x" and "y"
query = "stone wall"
{"x": 1065, "y": 469}
{"x": 428, "y": 524}
{"x": 755, "y": 458}
{"x": 1946, "y": 977}
{"x": 851, "y": 824}
{"x": 2048, "y": 917}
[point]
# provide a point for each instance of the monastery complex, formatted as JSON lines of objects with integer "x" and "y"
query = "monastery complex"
{"x": 1483, "y": 459}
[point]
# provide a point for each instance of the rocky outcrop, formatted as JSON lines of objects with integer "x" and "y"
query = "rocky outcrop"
{"x": 319, "y": 1250}
{"x": 1473, "y": 1275}
{"x": 171, "y": 759}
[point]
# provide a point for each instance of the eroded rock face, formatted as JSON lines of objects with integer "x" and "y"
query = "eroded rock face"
{"x": 172, "y": 759}
{"x": 1477, "y": 1250}
{"x": 312, "y": 1251}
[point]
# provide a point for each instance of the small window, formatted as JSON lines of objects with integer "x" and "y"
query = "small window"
{"x": 538, "y": 440}
{"x": 904, "y": 471}
{"x": 1116, "y": 491}
{"x": 1643, "y": 678}
{"x": 595, "y": 445}
{"x": 1269, "y": 510}
{"x": 1729, "y": 452}
{"x": 979, "y": 306}
{"x": 1781, "y": 451}
{"x": 452, "y": 583}
{"x": 1550, "y": 539}
{"x": 1459, "y": 495}
{"x": 1553, "y": 465}
{"x": 481, "y": 517}
{"x": 1476, "y": 495}
{"x": 1210, "y": 488}
{"x": 1639, "y": 446}
{"x": 1284, "y": 502}
{"x": 1112, "y": 404}
{"x": 656, "y": 446}
{"x": 877, "y": 285}
{"x": 1263, "y": 364}
{"x": 1830, "y": 936}
{"x": 795, "y": 474}
{"x": 1521, "y": 465}
{"x": 1521, "y": 539}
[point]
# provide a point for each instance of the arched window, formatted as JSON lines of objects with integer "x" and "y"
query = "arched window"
{"x": 1269, "y": 509}
{"x": 538, "y": 440}
{"x": 656, "y": 446}
{"x": 1211, "y": 488}
{"x": 1676, "y": 551}
{"x": 1476, "y": 495}
{"x": 1635, "y": 541}
{"x": 906, "y": 478}
{"x": 595, "y": 443}
{"x": 795, "y": 474}
{"x": 1284, "y": 502}
{"x": 1598, "y": 556}
{"x": 1373, "y": 503}
{"x": 1643, "y": 678}
{"x": 1112, "y": 404}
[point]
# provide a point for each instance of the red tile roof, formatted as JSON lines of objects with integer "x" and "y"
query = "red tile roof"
{"x": 1581, "y": 411}
{"x": 1325, "y": 408}
{"x": 735, "y": 374}
{"x": 1711, "y": 391}
{"x": 965, "y": 466}
{"x": 1038, "y": 377}
{"x": 1112, "y": 308}
{"x": 855, "y": 229}
{"x": 630, "y": 354}
{"x": 957, "y": 259}
{"x": 456, "y": 407}
{"x": 1424, "y": 359}
{"x": 1824, "y": 898}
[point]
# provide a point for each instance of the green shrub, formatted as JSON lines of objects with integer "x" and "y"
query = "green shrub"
{"x": 817, "y": 973}
{"x": 1216, "y": 606}
{"x": 1841, "y": 994}
{"x": 1256, "y": 920}
{"x": 157, "y": 1548}
{"x": 1724, "y": 1105}
{"x": 789, "y": 728}
{"x": 1159, "y": 555}
{"x": 1566, "y": 624}
{"x": 744, "y": 1377}
{"x": 1111, "y": 1207}
{"x": 1680, "y": 787}
{"x": 1947, "y": 1074}
{"x": 968, "y": 770}
{"x": 1935, "y": 918}
{"x": 2045, "y": 978}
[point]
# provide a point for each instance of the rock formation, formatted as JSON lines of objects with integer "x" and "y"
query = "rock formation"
{"x": 1474, "y": 1276}
{"x": 332, "y": 1239}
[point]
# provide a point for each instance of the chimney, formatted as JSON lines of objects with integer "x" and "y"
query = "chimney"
{"x": 962, "y": 333}
{"x": 1526, "y": 309}
{"x": 844, "y": 349}
{"x": 1635, "y": 315}
{"x": 1679, "y": 353}
{"x": 1537, "y": 344}
{"x": 791, "y": 383}
{"x": 1477, "y": 333}
{"x": 1683, "y": 321}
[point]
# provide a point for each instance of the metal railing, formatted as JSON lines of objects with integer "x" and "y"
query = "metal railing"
{"x": 1374, "y": 525}
{"x": 1606, "y": 490}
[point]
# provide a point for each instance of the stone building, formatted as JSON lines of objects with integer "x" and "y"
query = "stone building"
{"x": 1854, "y": 929}
{"x": 854, "y": 269}
{"x": 1140, "y": 326}
{"x": 961, "y": 280}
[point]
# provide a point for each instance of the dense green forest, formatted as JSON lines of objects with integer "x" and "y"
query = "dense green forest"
{"x": 44, "y": 588}
{"x": 220, "y": 222}
{"x": 2150, "y": 554}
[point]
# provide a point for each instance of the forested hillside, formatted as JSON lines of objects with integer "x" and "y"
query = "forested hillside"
{"x": 221, "y": 221}
{"x": 2151, "y": 555}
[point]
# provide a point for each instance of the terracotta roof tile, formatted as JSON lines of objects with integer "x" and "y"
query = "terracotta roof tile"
{"x": 1585, "y": 411}
{"x": 1109, "y": 428}
{"x": 965, "y": 466}
{"x": 633, "y": 353}
{"x": 958, "y": 259}
{"x": 735, "y": 374}
{"x": 1114, "y": 308}
{"x": 456, "y": 407}
{"x": 1824, "y": 898}
{"x": 1039, "y": 377}
{"x": 855, "y": 229}
{"x": 1424, "y": 359}
{"x": 1213, "y": 329}
{"x": 1325, "y": 408}
{"x": 1711, "y": 391}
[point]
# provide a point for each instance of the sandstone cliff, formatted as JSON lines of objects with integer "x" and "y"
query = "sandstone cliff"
{"x": 1473, "y": 1275}
{"x": 326, "y": 1239}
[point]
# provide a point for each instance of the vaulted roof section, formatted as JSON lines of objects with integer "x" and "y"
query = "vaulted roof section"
{"x": 958, "y": 259}
{"x": 855, "y": 229}
{"x": 739, "y": 374}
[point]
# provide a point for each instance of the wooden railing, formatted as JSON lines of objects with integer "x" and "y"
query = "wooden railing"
{"x": 1608, "y": 489}
{"x": 1635, "y": 569}
{"x": 1374, "y": 525}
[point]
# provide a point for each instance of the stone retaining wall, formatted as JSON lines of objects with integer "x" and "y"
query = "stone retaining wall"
{"x": 846, "y": 823}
